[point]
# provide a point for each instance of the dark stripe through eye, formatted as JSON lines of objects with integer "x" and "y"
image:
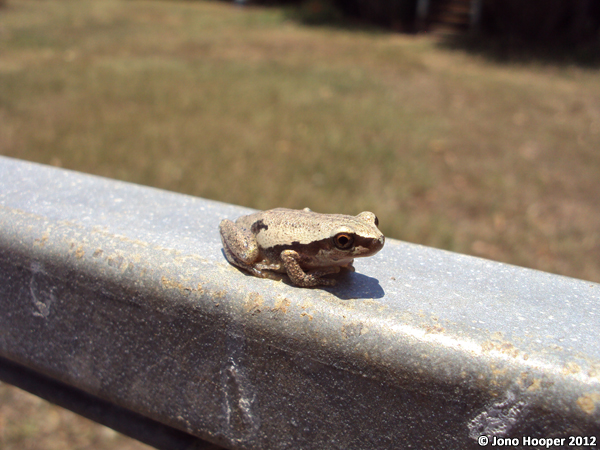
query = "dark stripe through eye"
{"x": 343, "y": 241}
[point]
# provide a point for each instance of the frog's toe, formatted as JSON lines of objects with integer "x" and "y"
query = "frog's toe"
{"x": 327, "y": 282}
{"x": 324, "y": 271}
{"x": 311, "y": 281}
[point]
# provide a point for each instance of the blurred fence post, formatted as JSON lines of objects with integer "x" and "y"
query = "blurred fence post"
{"x": 476, "y": 6}
{"x": 422, "y": 12}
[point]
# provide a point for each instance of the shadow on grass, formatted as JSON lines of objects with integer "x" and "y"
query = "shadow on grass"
{"x": 333, "y": 20}
{"x": 510, "y": 50}
{"x": 332, "y": 14}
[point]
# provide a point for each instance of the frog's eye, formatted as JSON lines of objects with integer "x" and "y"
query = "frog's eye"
{"x": 343, "y": 241}
{"x": 376, "y": 221}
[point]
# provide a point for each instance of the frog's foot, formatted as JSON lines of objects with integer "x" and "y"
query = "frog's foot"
{"x": 299, "y": 277}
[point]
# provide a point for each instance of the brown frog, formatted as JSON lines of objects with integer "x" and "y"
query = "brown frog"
{"x": 301, "y": 243}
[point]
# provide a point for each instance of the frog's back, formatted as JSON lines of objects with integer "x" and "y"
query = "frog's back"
{"x": 281, "y": 226}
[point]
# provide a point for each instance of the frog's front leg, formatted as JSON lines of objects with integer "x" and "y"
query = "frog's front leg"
{"x": 299, "y": 277}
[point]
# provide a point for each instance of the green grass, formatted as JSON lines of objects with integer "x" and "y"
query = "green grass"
{"x": 448, "y": 148}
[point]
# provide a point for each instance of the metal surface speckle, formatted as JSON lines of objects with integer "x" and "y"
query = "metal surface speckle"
{"x": 123, "y": 291}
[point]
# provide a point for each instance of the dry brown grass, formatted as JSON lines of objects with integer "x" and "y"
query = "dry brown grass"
{"x": 450, "y": 149}
{"x": 30, "y": 423}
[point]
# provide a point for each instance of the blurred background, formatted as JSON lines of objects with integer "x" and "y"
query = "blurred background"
{"x": 471, "y": 126}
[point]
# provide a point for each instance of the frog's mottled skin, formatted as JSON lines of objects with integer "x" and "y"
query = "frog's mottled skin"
{"x": 304, "y": 244}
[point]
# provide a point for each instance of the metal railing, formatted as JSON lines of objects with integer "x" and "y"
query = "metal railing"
{"x": 121, "y": 295}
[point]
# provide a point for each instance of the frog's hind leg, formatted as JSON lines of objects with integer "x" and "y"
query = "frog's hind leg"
{"x": 245, "y": 253}
{"x": 234, "y": 260}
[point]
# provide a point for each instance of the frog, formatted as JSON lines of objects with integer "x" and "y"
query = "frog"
{"x": 304, "y": 245}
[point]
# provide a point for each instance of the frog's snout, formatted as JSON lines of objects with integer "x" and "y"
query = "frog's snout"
{"x": 377, "y": 243}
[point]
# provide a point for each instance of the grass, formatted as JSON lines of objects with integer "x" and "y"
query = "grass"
{"x": 449, "y": 148}
{"x": 29, "y": 423}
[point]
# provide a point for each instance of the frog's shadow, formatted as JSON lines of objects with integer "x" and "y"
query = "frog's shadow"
{"x": 355, "y": 285}
{"x": 350, "y": 285}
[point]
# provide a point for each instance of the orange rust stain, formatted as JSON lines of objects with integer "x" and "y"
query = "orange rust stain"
{"x": 174, "y": 284}
{"x": 501, "y": 346}
{"x": 41, "y": 242}
{"x": 571, "y": 368}
{"x": 535, "y": 385}
{"x": 594, "y": 371}
{"x": 254, "y": 302}
{"x": 587, "y": 402}
{"x": 282, "y": 304}
{"x": 435, "y": 328}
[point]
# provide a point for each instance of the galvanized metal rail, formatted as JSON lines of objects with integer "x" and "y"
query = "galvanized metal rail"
{"x": 125, "y": 421}
{"x": 121, "y": 292}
